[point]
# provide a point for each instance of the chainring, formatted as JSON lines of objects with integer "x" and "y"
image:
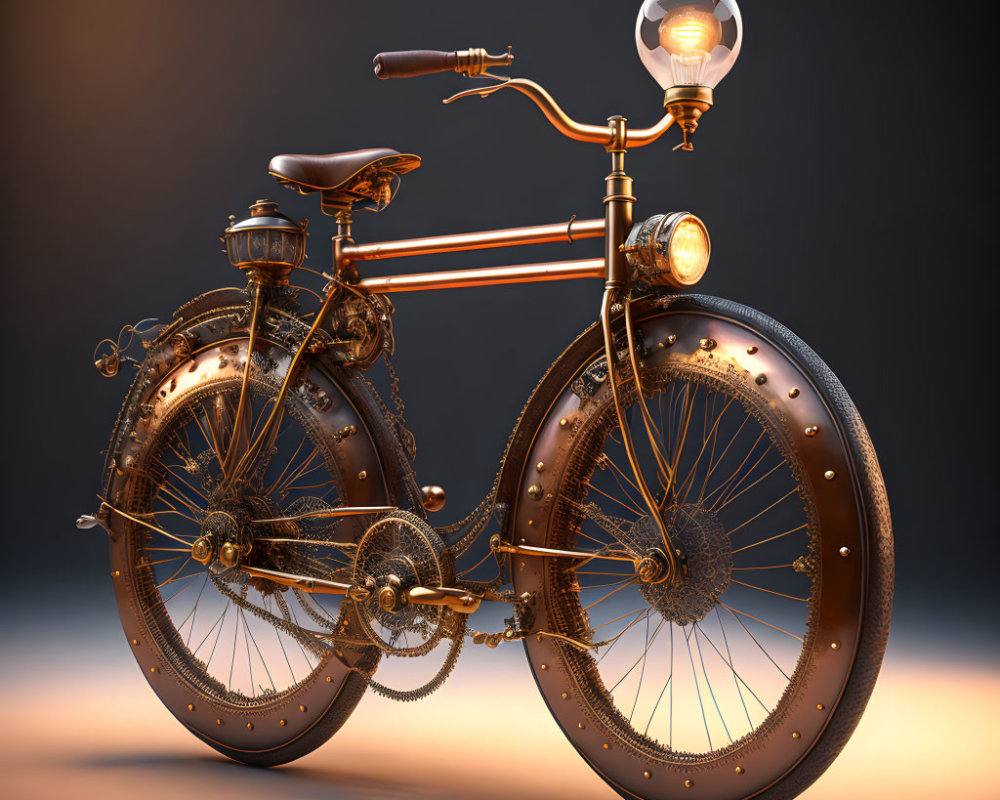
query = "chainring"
{"x": 400, "y": 551}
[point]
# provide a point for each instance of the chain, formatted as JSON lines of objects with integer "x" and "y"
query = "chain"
{"x": 411, "y": 695}
{"x": 285, "y": 625}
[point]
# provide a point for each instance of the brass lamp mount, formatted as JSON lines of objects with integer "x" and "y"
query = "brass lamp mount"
{"x": 686, "y": 104}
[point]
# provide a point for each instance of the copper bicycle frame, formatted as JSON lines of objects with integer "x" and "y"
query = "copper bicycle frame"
{"x": 613, "y": 267}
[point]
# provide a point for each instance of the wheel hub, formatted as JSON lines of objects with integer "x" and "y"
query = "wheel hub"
{"x": 704, "y": 547}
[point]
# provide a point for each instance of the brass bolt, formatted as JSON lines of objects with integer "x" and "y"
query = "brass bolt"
{"x": 329, "y": 679}
{"x": 706, "y": 343}
{"x": 302, "y": 708}
{"x": 531, "y": 522}
{"x": 834, "y": 645}
{"x": 812, "y": 430}
{"x": 752, "y": 350}
{"x": 116, "y": 574}
{"x": 544, "y": 667}
{"x": 190, "y": 706}
{"x": 761, "y": 379}
{"x": 563, "y": 422}
{"x": 579, "y": 725}
{"x": 739, "y": 770}
{"x": 535, "y": 491}
{"x": 282, "y": 722}
{"x": 845, "y": 551}
{"x": 671, "y": 339}
{"x": 796, "y": 735}
{"x": 793, "y": 392}
{"x": 820, "y": 706}
{"x": 153, "y": 670}
{"x": 135, "y": 642}
{"x": 689, "y": 784}
{"x": 362, "y": 475}
{"x": 829, "y": 474}
{"x": 606, "y": 746}
{"x": 249, "y": 726}
{"x": 565, "y": 695}
{"x": 540, "y": 466}
{"x": 218, "y": 722}
{"x": 647, "y": 774}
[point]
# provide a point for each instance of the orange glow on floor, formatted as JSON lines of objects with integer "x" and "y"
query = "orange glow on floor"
{"x": 93, "y": 730}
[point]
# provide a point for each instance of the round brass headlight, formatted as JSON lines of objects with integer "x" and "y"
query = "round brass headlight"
{"x": 668, "y": 250}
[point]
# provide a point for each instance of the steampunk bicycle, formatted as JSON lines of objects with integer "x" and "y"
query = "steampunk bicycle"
{"x": 689, "y": 527}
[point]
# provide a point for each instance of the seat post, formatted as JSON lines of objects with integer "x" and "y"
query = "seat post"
{"x": 342, "y": 266}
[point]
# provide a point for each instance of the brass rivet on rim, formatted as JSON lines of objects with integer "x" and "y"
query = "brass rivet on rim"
{"x": 647, "y": 774}
{"x": 689, "y": 784}
{"x": 820, "y": 706}
{"x": 362, "y": 475}
{"x": 302, "y": 708}
{"x": 845, "y": 551}
{"x": 282, "y": 722}
{"x": 135, "y": 642}
{"x": 793, "y": 392}
{"x": 752, "y": 350}
{"x": 706, "y": 343}
{"x": 796, "y": 734}
{"x": 218, "y": 722}
{"x": 829, "y": 474}
{"x": 606, "y": 746}
{"x": 540, "y": 466}
{"x": 329, "y": 679}
{"x": 579, "y": 725}
{"x": 834, "y": 645}
{"x": 565, "y": 695}
{"x": 249, "y": 726}
{"x": 153, "y": 670}
{"x": 739, "y": 770}
{"x": 812, "y": 430}
{"x": 544, "y": 667}
{"x": 563, "y": 422}
{"x": 761, "y": 379}
{"x": 190, "y": 706}
{"x": 534, "y": 491}
{"x": 117, "y": 573}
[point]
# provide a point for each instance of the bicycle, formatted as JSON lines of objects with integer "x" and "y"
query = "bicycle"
{"x": 689, "y": 525}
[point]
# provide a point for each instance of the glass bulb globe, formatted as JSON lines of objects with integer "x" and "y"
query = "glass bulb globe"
{"x": 688, "y": 44}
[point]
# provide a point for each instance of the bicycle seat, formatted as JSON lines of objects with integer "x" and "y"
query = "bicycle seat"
{"x": 358, "y": 178}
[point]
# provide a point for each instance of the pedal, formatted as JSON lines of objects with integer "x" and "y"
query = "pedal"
{"x": 489, "y": 639}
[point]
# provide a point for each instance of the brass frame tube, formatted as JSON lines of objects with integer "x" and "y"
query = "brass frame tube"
{"x": 478, "y": 240}
{"x": 487, "y": 276}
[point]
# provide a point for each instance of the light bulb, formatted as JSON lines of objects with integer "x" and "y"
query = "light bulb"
{"x": 689, "y": 34}
{"x": 688, "y": 44}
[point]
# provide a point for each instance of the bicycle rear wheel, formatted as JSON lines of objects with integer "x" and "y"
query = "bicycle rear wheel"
{"x": 262, "y": 673}
{"x": 745, "y": 677}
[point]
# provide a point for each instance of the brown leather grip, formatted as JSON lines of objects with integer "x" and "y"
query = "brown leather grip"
{"x": 411, "y": 63}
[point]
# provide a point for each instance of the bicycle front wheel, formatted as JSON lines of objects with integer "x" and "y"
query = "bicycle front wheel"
{"x": 745, "y": 675}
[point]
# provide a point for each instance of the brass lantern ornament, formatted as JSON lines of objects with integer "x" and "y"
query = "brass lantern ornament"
{"x": 688, "y": 48}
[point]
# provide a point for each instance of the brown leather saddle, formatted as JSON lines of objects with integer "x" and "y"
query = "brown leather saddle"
{"x": 356, "y": 179}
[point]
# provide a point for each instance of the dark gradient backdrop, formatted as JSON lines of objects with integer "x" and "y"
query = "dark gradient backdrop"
{"x": 844, "y": 176}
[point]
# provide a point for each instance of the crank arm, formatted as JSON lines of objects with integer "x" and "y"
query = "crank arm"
{"x": 499, "y": 546}
{"x": 458, "y": 600}
{"x": 307, "y": 584}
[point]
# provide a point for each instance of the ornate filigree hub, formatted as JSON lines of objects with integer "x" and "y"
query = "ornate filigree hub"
{"x": 705, "y": 550}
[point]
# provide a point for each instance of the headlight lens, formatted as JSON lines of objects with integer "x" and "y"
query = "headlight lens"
{"x": 668, "y": 250}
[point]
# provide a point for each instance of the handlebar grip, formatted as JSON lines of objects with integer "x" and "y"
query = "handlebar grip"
{"x": 411, "y": 63}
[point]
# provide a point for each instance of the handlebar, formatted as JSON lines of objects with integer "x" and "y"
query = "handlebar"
{"x": 412, "y": 63}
